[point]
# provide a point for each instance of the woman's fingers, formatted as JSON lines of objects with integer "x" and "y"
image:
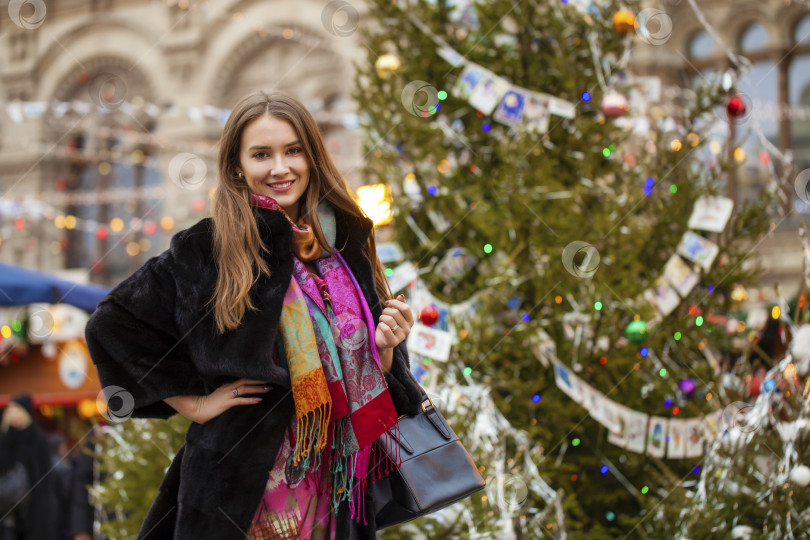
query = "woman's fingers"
{"x": 394, "y": 318}
{"x": 249, "y": 381}
{"x": 245, "y": 388}
{"x": 389, "y": 336}
{"x": 401, "y": 307}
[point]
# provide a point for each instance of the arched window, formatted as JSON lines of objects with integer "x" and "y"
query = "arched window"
{"x": 701, "y": 45}
{"x": 802, "y": 32}
{"x": 754, "y": 38}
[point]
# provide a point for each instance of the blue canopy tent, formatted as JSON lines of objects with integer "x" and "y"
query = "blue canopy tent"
{"x": 19, "y": 286}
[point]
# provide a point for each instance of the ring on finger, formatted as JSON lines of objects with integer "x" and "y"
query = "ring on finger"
{"x": 395, "y": 328}
{"x": 235, "y": 392}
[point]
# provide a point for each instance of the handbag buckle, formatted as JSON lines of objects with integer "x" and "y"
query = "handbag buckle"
{"x": 424, "y": 407}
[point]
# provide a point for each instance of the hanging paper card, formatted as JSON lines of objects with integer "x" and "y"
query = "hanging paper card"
{"x": 657, "y": 436}
{"x": 389, "y": 252}
{"x": 697, "y": 249}
{"x": 454, "y": 264}
{"x": 680, "y": 275}
{"x": 450, "y": 55}
{"x": 463, "y": 11}
{"x": 663, "y": 296}
{"x": 510, "y": 110}
{"x": 601, "y": 410}
{"x": 622, "y": 415}
{"x": 488, "y": 92}
{"x": 560, "y": 107}
{"x": 535, "y": 112}
{"x": 568, "y": 382}
{"x": 694, "y": 437}
{"x": 544, "y": 347}
{"x": 637, "y": 432}
{"x": 711, "y": 214}
{"x": 430, "y": 342}
{"x": 676, "y": 439}
{"x": 402, "y": 276}
{"x": 469, "y": 79}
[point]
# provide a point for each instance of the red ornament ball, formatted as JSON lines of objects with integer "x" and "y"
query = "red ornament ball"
{"x": 736, "y": 107}
{"x": 429, "y": 315}
{"x": 615, "y": 105}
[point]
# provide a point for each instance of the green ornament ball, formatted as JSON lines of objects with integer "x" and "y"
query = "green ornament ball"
{"x": 636, "y": 332}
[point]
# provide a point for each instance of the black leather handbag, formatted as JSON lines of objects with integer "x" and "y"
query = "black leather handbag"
{"x": 436, "y": 469}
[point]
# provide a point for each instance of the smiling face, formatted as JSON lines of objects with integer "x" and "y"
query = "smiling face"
{"x": 272, "y": 159}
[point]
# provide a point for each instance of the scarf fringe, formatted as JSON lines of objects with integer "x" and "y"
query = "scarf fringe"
{"x": 311, "y": 435}
{"x": 341, "y": 482}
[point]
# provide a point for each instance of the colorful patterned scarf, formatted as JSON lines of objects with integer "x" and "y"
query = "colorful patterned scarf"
{"x": 342, "y": 403}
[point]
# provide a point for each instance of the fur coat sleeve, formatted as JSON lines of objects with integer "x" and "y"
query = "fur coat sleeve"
{"x": 136, "y": 346}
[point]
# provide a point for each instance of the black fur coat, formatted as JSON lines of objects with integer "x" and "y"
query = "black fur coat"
{"x": 153, "y": 336}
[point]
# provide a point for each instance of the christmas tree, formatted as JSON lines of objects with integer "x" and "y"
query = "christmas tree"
{"x": 755, "y": 472}
{"x": 567, "y": 225}
{"x": 133, "y": 456}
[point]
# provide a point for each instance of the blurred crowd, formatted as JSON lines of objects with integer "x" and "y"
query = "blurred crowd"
{"x": 43, "y": 485}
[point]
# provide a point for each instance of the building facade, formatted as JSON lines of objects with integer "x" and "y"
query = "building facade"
{"x": 114, "y": 109}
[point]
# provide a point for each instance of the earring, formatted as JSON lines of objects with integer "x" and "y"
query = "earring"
{"x": 239, "y": 175}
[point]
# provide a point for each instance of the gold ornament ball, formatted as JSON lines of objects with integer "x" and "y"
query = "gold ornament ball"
{"x": 624, "y": 22}
{"x": 386, "y": 65}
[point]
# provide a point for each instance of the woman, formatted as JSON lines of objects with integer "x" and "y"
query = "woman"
{"x": 264, "y": 325}
{"x": 23, "y": 441}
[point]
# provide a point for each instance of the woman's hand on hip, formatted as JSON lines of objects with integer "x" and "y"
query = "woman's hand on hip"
{"x": 201, "y": 409}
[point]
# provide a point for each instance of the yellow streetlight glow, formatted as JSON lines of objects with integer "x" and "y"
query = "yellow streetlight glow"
{"x": 375, "y": 200}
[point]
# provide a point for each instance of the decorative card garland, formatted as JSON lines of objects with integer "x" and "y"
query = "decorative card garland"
{"x": 489, "y": 92}
{"x": 679, "y": 277}
{"x": 634, "y": 430}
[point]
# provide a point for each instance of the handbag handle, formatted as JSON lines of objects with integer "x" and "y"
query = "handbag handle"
{"x": 432, "y": 414}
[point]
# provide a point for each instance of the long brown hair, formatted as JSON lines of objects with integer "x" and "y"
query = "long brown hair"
{"x": 237, "y": 245}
